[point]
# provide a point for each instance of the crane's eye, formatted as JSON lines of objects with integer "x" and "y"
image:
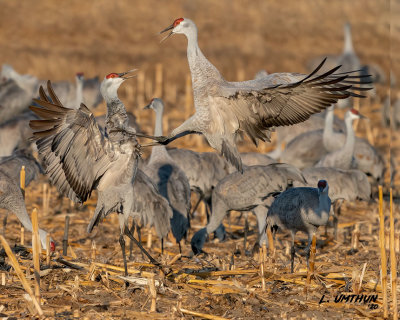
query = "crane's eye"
{"x": 112, "y": 75}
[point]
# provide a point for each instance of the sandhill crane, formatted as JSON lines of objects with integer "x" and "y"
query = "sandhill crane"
{"x": 224, "y": 109}
{"x": 349, "y": 185}
{"x": 300, "y": 209}
{"x": 343, "y": 158}
{"x": 12, "y": 199}
{"x": 245, "y": 192}
{"x": 79, "y": 159}
{"x": 171, "y": 181}
{"x": 12, "y": 165}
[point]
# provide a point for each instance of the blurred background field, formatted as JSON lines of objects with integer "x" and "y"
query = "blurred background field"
{"x": 55, "y": 39}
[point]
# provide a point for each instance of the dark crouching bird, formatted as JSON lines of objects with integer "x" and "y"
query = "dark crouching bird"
{"x": 300, "y": 209}
{"x": 226, "y": 109}
{"x": 78, "y": 158}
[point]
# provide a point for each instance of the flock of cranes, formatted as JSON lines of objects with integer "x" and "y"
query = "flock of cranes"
{"x": 323, "y": 160}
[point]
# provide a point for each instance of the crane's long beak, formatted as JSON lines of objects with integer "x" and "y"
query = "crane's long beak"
{"x": 169, "y": 34}
{"x": 128, "y": 77}
{"x": 147, "y": 107}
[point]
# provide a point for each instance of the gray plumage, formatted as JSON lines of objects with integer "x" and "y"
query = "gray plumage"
{"x": 256, "y": 159}
{"x": 170, "y": 180}
{"x": 19, "y": 91}
{"x": 349, "y": 185}
{"x": 13, "y": 164}
{"x": 15, "y": 133}
{"x": 140, "y": 200}
{"x": 245, "y": 192}
{"x": 11, "y": 199}
{"x": 226, "y": 109}
{"x": 300, "y": 209}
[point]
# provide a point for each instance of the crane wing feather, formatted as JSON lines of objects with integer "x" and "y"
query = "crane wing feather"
{"x": 70, "y": 146}
{"x": 283, "y": 99}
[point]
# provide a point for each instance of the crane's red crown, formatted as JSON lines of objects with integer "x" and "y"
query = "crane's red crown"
{"x": 52, "y": 246}
{"x": 322, "y": 184}
{"x": 354, "y": 111}
{"x": 112, "y": 75}
{"x": 79, "y": 74}
{"x": 177, "y": 21}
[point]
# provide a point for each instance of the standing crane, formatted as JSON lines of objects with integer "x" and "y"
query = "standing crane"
{"x": 171, "y": 181}
{"x": 78, "y": 158}
{"x": 343, "y": 158}
{"x": 300, "y": 209}
{"x": 246, "y": 192}
{"x": 349, "y": 185}
{"x": 225, "y": 109}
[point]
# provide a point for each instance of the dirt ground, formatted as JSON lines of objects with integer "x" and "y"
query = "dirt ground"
{"x": 54, "y": 40}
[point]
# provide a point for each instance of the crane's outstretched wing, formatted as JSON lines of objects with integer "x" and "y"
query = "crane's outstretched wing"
{"x": 284, "y": 99}
{"x": 70, "y": 146}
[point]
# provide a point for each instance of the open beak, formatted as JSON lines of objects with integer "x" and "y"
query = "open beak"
{"x": 147, "y": 107}
{"x": 362, "y": 116}
{"x": 122, "y": 74}
{"x": 169, "y": 34}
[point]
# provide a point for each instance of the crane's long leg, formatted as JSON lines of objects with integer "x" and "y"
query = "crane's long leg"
{"x": 130, "y": 235}
{"x": 292, "y": 254}
{"x": 308, "y": 248}
{"x": 337, "y": 208}
{"x": 246, "y": 231}
{"x": 122, "y": 244}
{"x": 139, "y": 233}
{"x": 196, "y": 205}
{"x": 131, "y": 243}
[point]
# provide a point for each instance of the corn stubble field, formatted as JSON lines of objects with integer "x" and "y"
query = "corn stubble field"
{"x": 53, "y": 41}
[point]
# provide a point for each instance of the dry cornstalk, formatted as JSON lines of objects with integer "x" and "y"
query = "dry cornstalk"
{"x": 262, "y": 270}
{"x": 18, "y": 271}
{"x": 201, "y": 315}
{"x": 393, "y": 262}
{"x": 22, "y": 180}
{"x": 174, "y": 259}
{"x": 153, "y": 292}
{"x": 22, "y": 236}
{"x": 271, "y": 245}
{"x": 36, "y": 251}
{"x": 355, "y": 237}
{"x": 149, "y": 238}
{"x": 383, "y": 253}
{"x": 3, "y": 279}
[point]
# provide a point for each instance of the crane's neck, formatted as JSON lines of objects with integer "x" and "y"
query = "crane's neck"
{"x": 348, "y": 147}
{"x": 79, "y": 92}
{"x": 328, "y": 129}
{"x": 323, "y": 210}
{"x": 159, "y": 152}
{"x": 26, "y": 82}
{"x": 348, "y": 42}
{"x": 200, "y": 68}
